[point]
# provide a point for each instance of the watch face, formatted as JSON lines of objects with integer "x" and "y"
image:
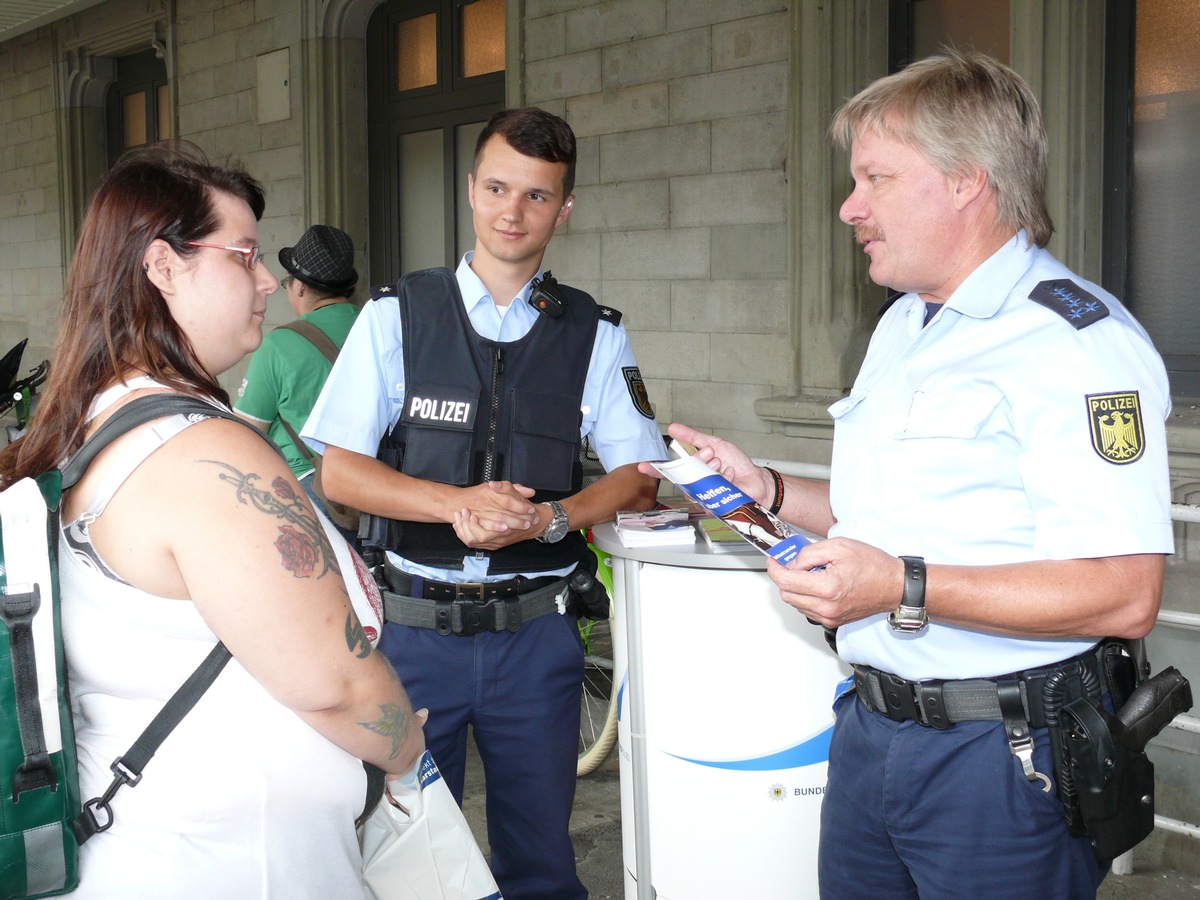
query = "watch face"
{"x": 557, "y": 529}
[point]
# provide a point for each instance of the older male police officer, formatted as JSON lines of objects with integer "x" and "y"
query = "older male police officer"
{"x": 476, "y": 388}
{"x": 999, "y": 500}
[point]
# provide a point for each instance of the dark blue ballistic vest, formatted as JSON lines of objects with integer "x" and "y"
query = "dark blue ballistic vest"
{"x": 477, "y": 410}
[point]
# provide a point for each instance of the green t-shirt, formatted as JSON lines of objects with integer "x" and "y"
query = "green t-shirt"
{"x": 285, "y": 377}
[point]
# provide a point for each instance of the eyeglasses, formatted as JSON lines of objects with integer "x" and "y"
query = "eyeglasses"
{"x": 250, "y": 254}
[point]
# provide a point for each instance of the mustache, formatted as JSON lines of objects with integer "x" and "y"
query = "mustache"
{"x": 862, "y": 234}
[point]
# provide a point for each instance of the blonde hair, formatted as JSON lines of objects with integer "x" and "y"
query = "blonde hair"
{"x": 963, "y": 111}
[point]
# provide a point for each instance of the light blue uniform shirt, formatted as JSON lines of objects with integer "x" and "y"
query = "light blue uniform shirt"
{"x": 972, "y": 442}
{"x": 364, "y": 394}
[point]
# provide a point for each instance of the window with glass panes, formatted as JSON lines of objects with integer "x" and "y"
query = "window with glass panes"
{"x": 436, "y": 74}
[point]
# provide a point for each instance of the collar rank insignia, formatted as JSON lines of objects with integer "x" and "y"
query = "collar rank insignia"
{"x": 1116, "y": 421}
{"x": 383, "y": 290}
{"x": 637, "y": 391}
{"x": 1070, "y": 301}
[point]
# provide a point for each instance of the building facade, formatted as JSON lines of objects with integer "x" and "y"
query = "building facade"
{"x": 707, "y": 187}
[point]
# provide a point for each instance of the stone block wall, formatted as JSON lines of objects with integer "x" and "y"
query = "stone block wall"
{"x": 31, "y": 252}
{"x": 680, "y": 107}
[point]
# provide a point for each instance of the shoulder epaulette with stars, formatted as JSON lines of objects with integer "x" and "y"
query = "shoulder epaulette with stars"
{"x": 1069, "y": 300}
{"x": 609, "y": 315}
{"x": 383, "y": 290}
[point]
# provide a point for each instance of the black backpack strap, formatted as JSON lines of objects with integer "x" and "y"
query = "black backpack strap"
{"x": 127, "y": 769}
{"x": 17, "y": 609}
{"x": 138, "y": 412}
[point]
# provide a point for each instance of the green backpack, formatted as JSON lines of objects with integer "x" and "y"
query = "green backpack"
{"x": 43, "y": 823}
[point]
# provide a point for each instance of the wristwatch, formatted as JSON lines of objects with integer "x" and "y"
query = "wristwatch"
{"x": 557, "y": 529}
{"x": 910, "y": 617}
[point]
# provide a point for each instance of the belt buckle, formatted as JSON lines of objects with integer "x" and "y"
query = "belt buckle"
{"x": 469, "y": 590}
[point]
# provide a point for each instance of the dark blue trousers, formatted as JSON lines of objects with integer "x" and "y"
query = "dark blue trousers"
{"x": 912, "y": 812}
{"x": 520, "y": 693}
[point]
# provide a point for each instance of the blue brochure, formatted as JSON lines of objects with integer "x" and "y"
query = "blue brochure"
{"x": 720, "y": 498}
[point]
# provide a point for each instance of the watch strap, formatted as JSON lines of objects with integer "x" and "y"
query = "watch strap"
{"x": 911, "y": 616}
{"x": 559, "y": 523}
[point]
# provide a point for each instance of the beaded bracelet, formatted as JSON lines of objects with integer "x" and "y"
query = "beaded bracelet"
{"x": 777, "y": 503}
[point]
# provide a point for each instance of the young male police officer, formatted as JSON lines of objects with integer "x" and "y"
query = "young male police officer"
{"x": 457, "y": 412}
{"x": 999, "y": 499}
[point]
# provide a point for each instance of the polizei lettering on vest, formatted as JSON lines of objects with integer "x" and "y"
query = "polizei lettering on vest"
{"x": 431, "y": 410}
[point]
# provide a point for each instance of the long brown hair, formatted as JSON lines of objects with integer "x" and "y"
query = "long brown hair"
{"x": 114, "y": 320}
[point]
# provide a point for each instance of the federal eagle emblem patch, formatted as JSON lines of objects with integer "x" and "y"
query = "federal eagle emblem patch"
{"x": 1117, "y": 432}
{"x": 637, "y": 391}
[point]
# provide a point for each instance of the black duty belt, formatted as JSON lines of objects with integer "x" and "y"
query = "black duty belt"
{"x": 469, "y": 608}
{"x": 423, "y": 588}
{"x": 939, "y": 704}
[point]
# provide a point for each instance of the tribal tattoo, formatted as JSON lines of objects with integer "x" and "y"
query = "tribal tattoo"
{"x": 302, "y": 542}
{"x": 356, "y": 637}
{"x": 392, "y": 723}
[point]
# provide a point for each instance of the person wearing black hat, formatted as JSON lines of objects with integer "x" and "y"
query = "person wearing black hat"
{"x": 287, "y": 372}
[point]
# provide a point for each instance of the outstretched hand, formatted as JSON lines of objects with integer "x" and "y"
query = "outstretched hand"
{"x": 723, "y": 457}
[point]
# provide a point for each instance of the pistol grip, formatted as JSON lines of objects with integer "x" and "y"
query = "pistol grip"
{"x": 1150, "y": 708}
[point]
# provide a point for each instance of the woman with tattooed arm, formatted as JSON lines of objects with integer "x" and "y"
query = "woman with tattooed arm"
{"x": 191, "y": 530}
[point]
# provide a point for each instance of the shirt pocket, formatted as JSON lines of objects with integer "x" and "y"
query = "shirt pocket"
{"x": 957, "y": 415}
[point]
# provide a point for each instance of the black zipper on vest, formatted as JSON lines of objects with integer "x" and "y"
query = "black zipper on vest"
{"x": 489, "y": 456}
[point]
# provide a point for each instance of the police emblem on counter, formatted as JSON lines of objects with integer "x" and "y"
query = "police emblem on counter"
{"x": 637, "y": 391}
{"x": 1117, "y": 432}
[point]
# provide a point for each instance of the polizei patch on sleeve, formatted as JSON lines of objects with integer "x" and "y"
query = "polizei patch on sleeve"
{"x": 637, "y": 391}
{"x": 1117, "y": 432}
{"x": 1070, "y": 301}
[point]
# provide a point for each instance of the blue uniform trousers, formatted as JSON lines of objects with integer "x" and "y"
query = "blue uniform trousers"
{"x": 520, "y": 693}
{"x": 910, "y": 811}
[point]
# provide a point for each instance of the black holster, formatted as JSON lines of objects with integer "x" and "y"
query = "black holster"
{"x": 1105, "y": 780}
{"x": 588, "y": 597}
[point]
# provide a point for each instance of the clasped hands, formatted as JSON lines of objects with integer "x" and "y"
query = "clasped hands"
{"x": 496, "y": 514}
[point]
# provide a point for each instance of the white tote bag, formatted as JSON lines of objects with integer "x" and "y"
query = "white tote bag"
{"x": 417, "y": 844}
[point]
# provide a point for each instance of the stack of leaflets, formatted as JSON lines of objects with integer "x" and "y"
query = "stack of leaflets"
{"x": 655, "y": 528}
{"x": 721, "y": 538}
{"x": 720, "y": 498}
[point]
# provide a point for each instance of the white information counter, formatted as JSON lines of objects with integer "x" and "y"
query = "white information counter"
{"x": 724, "y": 719}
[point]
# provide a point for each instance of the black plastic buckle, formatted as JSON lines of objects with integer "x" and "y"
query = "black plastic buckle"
{"x": 899, "y": 705}
{"x": 19, "y": 603}
{"x": 474, "y": 617}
